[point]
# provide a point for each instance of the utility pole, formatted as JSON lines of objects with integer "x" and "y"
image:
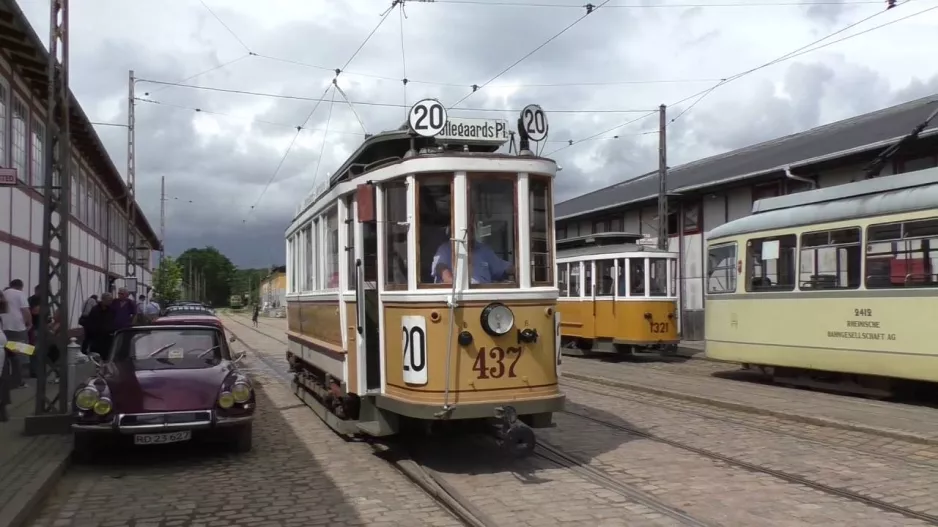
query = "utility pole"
{"x": 130, "y": 266}
{"x": 52, "y": 414}
{"x": 662, "y": 177}
{"x": 162, "y": 218}
{"x": 189, "y": 289}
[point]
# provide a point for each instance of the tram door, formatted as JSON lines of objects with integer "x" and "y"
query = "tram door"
{"x": 366, "y": 292}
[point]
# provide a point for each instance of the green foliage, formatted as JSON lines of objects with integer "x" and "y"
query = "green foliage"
{"x": 246, "y": 282}
{"x": 207, "y": 275}
{"x": 167, "y": 280}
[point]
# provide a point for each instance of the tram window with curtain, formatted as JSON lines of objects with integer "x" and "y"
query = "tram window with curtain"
{"x": 721, "y": 269}
{"x": 395, "y": 232}
{"x": 562, "y": 279}
{"x": 771, "y": 263}
{"x": 493, "y": 214}
{"x": 434, "y": 230}
{"x": 902, "y": 254}
{"x": 309, "y": 283}
{"x": 575, "y": 279}
{"x": 332, "y": 249}
{"x": 636, "y": 277}
{"x": 350, "y": 242}
{"x": 587, "y": 278}
{"x": 830, "y": 260}
{"x": 539, "y": 206}
{"x": 620, "y": 278}
{"x": 605, "y": 277}
{"x": 658, "y": 270}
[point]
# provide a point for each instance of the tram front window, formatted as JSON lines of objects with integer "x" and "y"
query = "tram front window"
{"x": 492, "y": 235}
{"x": 434, "y": 209}
{"x": 658, "y": 270}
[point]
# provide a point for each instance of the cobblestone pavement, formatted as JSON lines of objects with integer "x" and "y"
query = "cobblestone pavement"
{"x": 710, "y": 490}
{"x": 299, "y": 473}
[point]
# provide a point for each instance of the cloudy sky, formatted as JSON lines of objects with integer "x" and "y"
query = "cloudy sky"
{"x": 611, "y": 68}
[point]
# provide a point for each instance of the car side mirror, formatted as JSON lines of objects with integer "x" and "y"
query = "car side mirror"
{"x": 240, "y": 357}
{"x": 233, "y": 339}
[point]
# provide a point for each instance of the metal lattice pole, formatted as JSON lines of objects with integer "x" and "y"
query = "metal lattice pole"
{"x": 130, "y": 266}
{"x": 53, "y": 256}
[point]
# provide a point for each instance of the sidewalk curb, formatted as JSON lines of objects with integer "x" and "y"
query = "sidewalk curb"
{"x": 28, "y": 500}
{"x": 732, "y": 405}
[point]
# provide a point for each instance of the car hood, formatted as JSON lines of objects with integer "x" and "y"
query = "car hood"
{"x": 136, "y": 390}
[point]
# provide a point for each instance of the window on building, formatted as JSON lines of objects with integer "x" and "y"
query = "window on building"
{"x": 771, "y": 263}
{"x": 395, "y": 234}
{"x": 540, "y": 208}
{"x": 793, "y": 186}
{"x": 902, "y": 254}
{"x": 573, "y": 229}
{"x": 916, "y": 163}
{"x": 605, "y": 277}
{"x": 350, "y": 242}
{"x": 4, "y": 106}
{"x": 600, "y": 226}
{"x": 332, "y": 249}
{"x": 830, "y": 260}
{"x": 561, "y": 232}
{"x": 81, "y": 212}
{"x": 721, "y": 269}
{"x": 493, "y": 209}
{"x": 765, "y": 190}
{"x": 89, "y": 199}
{"x": 18, "y": 140}
{"x": 692, "y": 223}
{"x": 37, "y": 159}
{"x": 73, "y": 191}
{"x": 309, "y": 283}
{"x": 434, "y": 209}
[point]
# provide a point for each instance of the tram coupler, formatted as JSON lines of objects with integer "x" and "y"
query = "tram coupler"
{"x": 511, "y": 434}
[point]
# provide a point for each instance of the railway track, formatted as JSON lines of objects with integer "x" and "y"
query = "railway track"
{"x": 754, "y": 467}
{"x": 435, "y": 484}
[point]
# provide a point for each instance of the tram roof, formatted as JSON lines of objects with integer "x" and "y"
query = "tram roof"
{"x": 909, "y": 192}
{"x": 603, "y": 243}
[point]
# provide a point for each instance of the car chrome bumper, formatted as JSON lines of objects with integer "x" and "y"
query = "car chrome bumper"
{"x": 119, "y": 423}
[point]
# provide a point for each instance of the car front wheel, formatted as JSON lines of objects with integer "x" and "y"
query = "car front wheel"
{"x": 243, "y": 437}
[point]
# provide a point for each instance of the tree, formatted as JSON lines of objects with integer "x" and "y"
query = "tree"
{"x": 207, "y": 275}
{"x": 167, "y": 280}
{"x": 248, "y": 282}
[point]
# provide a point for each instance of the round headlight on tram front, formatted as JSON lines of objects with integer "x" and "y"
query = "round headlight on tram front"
{"x": 241, "y": 392}
{"x": 497, "y": 319}
{"x": 226, "y": 400}
{"x": 86, "y": 398}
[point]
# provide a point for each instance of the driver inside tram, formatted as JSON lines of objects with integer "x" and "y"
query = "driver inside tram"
{"x": 487, "y": 267}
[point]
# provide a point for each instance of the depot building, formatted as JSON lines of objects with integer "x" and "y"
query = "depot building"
{"x": 99, "y": 227}
{"x": 707, "y": 193}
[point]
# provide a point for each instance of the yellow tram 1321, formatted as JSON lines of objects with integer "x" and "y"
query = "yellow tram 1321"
{"x": 831, "y": 288}
{"x": 384, "y": 331}
{"x": 617, "y": 295}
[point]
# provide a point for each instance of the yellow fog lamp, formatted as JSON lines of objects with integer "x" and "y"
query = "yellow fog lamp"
{"x": 226, "y": 400}
{"x": 241, "y": 392}
{"x": 103, "y": 406}
{"x": 86, "y": 398}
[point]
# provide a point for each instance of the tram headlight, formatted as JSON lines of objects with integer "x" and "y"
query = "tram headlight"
{"x": 497, "y": 319}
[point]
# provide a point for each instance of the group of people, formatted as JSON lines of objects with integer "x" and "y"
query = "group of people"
{"x": 19, "y": 321}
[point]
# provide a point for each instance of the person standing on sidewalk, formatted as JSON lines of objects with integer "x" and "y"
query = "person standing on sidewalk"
{"x": 16, "y": 324}
{"x": 83, "y": 322}
{"x": 125, "y": 310}
{"x": 4, "y": 367}
{"x": 101, "y": 327}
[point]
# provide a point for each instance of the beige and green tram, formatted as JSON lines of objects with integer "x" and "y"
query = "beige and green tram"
{"x": 831, "y": 288}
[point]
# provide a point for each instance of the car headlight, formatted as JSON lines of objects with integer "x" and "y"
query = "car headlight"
{"x": 497, "y": 319}
{"x": 103, "y": 406}
{"x": 241, "y": 392}
{"x": 226, "y": 400}
{"x": 86, "y": 398}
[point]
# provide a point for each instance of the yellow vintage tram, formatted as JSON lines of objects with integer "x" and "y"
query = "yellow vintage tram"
{"x": 421, "y": 289}
{"x": 616, "y": 295}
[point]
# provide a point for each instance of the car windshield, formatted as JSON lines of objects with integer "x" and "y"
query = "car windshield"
{"x": 171, "y": 347}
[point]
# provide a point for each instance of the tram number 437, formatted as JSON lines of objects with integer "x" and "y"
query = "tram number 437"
{"x": 491, "y": 363}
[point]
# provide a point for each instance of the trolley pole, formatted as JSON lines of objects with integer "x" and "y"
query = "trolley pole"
{"x": 662, "y": 177}
{"x": 130, "y": 264}
{"x": 52, "y": 409}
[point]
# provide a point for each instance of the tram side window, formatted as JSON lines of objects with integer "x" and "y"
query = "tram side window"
{"x": 563, "y": 278}
{"x": 434, "y": 206}
{"x": 539, "y": 205}
{"x": 587, "y": 278}
{"x": 902, "y": 254}
{"x": 332, "y": 249}
{"x": 830, "y": 260}
{"x": 493, "y": 214}
{"x": 350, "y": 242}
{"x": 309, "y": 257}
{"x": 721, "y": 269}
{"x": 636, "y": 277}
{"x": 575, "y": 279}
{"x": 658, "y": 271}
{"x": 771, "y": 263}
{"x": 396, "y": 228}
{"x": 605, "y": 277}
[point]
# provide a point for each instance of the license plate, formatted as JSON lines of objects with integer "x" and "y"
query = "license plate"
{"x": 162, "y": 439}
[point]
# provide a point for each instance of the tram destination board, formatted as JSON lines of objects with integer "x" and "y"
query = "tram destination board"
{"x": 474, "y": 131}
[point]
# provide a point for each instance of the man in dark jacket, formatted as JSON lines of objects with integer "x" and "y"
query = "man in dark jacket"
{"x": 101, "y": 325}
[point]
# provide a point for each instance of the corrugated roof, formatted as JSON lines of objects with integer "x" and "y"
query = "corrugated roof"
{"x": 850, "y": 134}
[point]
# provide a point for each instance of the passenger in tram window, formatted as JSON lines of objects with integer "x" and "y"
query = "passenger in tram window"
{"x": 487, "y": 267}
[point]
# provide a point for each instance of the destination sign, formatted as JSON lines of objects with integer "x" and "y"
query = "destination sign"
{"x": 479, "y": 131}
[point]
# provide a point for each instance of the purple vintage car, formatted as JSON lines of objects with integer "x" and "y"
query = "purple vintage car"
{"x": 166, "y": 382}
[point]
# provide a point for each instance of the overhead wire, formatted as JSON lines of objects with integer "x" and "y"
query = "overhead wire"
{"x": 590, "y": 8}
{"x": 403, "y": 60}
{"x": 653, "y": 6}
{"x": 189, "y": 78}
{"x": 369, "y": 103}
{"x": 322, "y": 147}
{"x": 788, "y": 56}
{"x": 224, "y": 25}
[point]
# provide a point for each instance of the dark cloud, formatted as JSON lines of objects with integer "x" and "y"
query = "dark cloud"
{"x": 216, "y": 166}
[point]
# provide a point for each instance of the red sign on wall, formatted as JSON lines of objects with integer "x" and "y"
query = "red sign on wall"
{"x": 7, "y": 176}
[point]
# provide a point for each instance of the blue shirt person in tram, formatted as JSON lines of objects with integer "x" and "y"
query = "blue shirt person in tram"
{"x": 487, "y": 267}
